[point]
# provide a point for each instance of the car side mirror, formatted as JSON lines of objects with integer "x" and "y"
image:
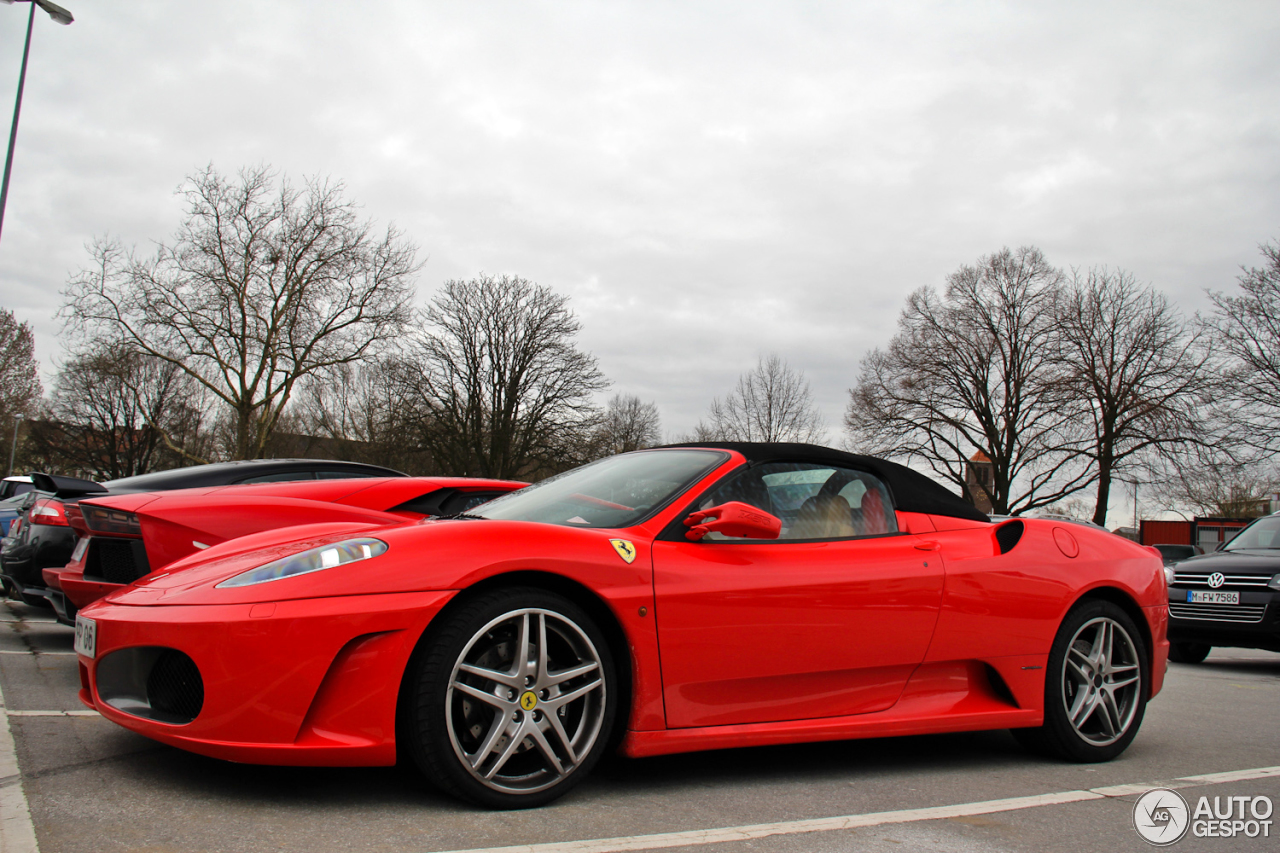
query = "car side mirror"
{"x": 733, "y": 519}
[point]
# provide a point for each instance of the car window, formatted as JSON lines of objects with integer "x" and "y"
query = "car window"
{"x": 619, "y": 491}
{"x": 812, "y": 501}
{"x": 1261, "y": 534}
{"x": 12, "y": 490}
{"x": 281, "y": 477}
{"x": 341, "y": 475}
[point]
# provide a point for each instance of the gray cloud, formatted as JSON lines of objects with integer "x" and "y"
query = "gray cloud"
{"x": 709, "y": 181}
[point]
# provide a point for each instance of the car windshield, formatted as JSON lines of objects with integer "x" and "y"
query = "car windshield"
{"x": 1263, "y": 533}
{"x": 616, "y": 492}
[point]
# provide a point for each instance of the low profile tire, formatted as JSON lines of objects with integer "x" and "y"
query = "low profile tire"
{"x": 1097, "y": 685}
{"x": 512, "y": 700}
{"x": 1189, "y": 652}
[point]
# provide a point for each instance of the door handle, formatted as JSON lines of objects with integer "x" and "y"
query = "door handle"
{"x": 929, "y": 545}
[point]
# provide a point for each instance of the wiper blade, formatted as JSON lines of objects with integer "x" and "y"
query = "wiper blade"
{"x": 463, "y": 515}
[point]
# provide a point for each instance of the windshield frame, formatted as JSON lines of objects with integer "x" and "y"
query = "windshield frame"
{"x": 718, "y": 458}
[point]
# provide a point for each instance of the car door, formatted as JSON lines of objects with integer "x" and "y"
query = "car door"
{"x": 828, "y": 620}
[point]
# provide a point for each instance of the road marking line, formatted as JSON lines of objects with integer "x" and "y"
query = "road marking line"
{"x": 32, "y": 652}
{"x": 794, "y": 827}
{"x": 1233, "y": 776}
{"x": 85, "y": 713}
{"x": 1122, "y": 790}
{"x": 17, "y": 834}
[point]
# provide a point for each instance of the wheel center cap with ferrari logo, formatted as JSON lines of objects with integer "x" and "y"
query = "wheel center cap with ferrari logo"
{"x": 529, "y": 700}
{"x": 1216, "y": 580}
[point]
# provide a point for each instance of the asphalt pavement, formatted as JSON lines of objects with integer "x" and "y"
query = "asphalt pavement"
{"x": 88, "y": 785}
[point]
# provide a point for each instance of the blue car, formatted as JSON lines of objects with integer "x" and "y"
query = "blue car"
{"x": 11, "y": 491}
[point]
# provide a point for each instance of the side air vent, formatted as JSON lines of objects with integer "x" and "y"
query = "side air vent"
{"x": 1009, "y": 534}
{"x": 998, "y": 684}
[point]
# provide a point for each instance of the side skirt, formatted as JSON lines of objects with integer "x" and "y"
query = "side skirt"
{"x": 956, "y": 696}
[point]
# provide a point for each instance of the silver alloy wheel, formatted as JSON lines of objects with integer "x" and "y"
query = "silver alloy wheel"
{"x": 526, "y": 701}
{"x": 1101, "y": 681}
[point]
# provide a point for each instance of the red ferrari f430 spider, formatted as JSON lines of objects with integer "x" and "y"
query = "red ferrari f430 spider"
{"x": 674, "y": 599}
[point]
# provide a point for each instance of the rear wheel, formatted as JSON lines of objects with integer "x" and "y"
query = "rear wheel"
{"x": 512, "y": 700}
{"x": 1096, "y": 686}
{"x": 1189, "y": 652}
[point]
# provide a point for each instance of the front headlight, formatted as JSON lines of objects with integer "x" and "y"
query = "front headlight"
{"x": 305, "y": 562}
{"x": 1169, "y": 575}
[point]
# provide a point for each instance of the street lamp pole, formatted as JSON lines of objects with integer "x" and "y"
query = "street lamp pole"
{"x": 1135, "y": 504}
{"x": 62, "y": 16}
{"x": 17, "y": 419}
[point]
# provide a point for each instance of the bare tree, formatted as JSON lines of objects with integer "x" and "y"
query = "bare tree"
{"x": 20, "y": 386}
{"x": 359, "y": 411}
{"x": 112, "y": 412}
{"x": 499, "y": 387}
{"x": 977, "y": 369}
{"x": 262, "y": 286}
{"x": 628, "y": 424}
{"x": 770, "y": 403}
{"x": 1214, "y": 485}
{"x": 1246, "y": 331}
{"x": 1138, "y": 374}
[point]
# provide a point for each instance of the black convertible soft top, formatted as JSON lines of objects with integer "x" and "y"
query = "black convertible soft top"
{"x": 912, "y": 492}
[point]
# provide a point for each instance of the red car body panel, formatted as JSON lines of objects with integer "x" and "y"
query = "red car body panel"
{"x": 174, "y": 522}
{"x": 727, "y": 644}
{"x": 859, "y": 634}
{"x": 332, "y": 706}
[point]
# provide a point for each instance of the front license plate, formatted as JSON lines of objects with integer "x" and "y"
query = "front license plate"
{"x": 1203, "y": 597}
{"x": 86, "y": 636}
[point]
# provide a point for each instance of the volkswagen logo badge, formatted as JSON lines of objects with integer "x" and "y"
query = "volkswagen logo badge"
{"x": 1216, "y": 580}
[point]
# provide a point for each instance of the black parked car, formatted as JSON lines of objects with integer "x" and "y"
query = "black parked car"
{"x": 1177, "y": 553}
{"x": 1228, "y": 598}
{"x": 41, "y": 537}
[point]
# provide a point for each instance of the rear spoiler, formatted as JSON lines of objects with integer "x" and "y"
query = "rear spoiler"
{"x": 65, "y": 487}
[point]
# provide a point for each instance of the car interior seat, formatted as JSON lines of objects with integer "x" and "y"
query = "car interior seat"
{"x": 823, "y": 517}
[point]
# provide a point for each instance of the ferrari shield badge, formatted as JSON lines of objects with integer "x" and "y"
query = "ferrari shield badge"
{"x": 625, "y": 549}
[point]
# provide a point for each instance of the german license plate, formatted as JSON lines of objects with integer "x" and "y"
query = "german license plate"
{"x": 1211, "y": 597}
{"x": 81, "y": 547}
{"x": 86, "y": 636}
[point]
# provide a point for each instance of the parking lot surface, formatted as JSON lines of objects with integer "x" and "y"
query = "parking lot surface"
{"x": 88, "y": 785}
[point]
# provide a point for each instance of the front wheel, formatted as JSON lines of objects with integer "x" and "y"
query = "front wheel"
{"x": 1096, "y": 686}
{"x": 512, "y": 700}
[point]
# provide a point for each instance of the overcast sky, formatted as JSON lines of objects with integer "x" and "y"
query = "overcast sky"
{"x": 709, "y": 182}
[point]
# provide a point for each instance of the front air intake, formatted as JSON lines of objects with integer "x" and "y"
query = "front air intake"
{"x": 174, "y": 686}
{"x": 151, "y": 682}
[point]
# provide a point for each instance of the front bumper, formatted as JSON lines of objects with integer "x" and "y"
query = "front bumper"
{"x": 1252, "y": 624}
{"x": 305, "y": 682}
